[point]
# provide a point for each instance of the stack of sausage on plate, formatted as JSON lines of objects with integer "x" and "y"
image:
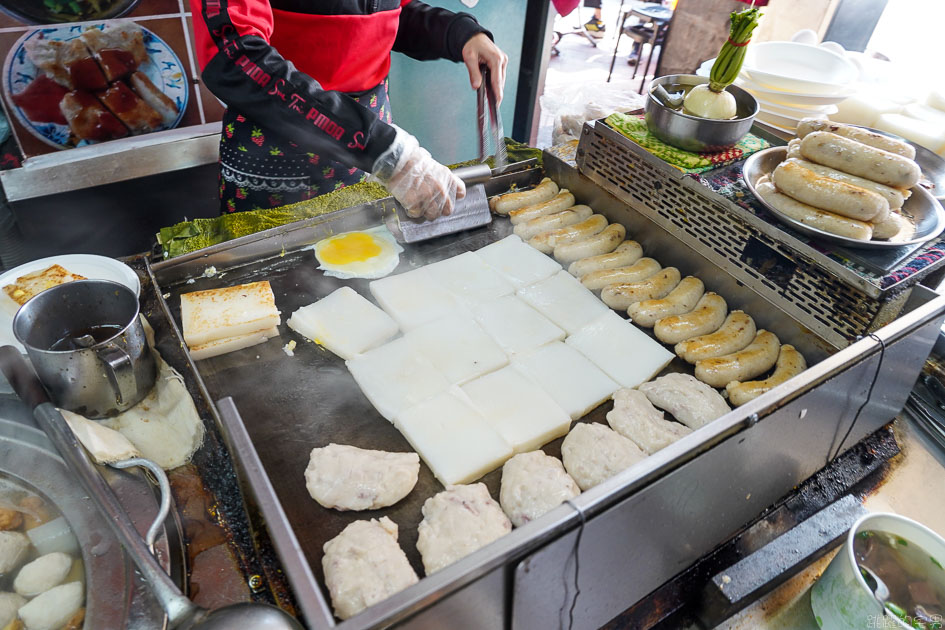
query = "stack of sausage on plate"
{"x": 844, "y": 180}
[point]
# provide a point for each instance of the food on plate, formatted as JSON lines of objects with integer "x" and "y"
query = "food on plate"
{"x": 53, "y": 609}
{"x": 518, "y": 262}
{"x": 895, "y": 197}
{"x": 227, "y": 314}
{"x": 469, "y": 279}
{"x": 546, "y": 242}
{"x": 635, "y": 417}
{"x": 814, "y": 217}
{"x": 705, "y": 318}
{"x": 68, "y": 63}
{"x": 118, "y": 47}
{"x": 562, "y": 201}
{"x": 457, "y": 522}
{"x": 533, "y": 484}
{"x": 519, "y": 410}
{"x": 625, "y": 255}
{"x": 130, "y": 109}
{"x": 689, "y": 400}
{"x": 564, "y": 300}
{"x": 154, "y": 97}
{"x": 871, "y": 138}
{"x": 624, "y": 352}
{"x": 794, "y": 151}
{"x": 894, "y": 224}
{"x": 825, "y": 193}
{"x": 923, "y": 132}
{"x": 755, "y": 359}
{"x": 453, "y": 438}
{"x": 413, "y": 298}
{"x": 712, "y": 100}
{"x": 516, "y": 326}
{"x": 9, "y": 604}
{"x": 345, "y": 322}
{"x": 679, "y": 301}
{"x": 736, "y": 332}
{"x": 42, "y": 574}
{"x": 659, "y": 285}
{"x": 345, "y": 477}
{"x": 34, "y": 283}
{"x": 790, "y": 364}
{"x": 859, "y": 159}
{"x": 593, "y": 453}
{"x": 603, "y": 242}
{"x": 368, "y": 254}
{"x": 13, "y": 550}
{"x": 549, "y": 222}
{"x": 640, "y": 270}
{"x": 544, "y": 191}
{"x": 457, "y": 347}
{"x": 570, "y": 378}
{"x": 105, "y": 445}
{"x": 364, "y": 565}
{"x": 395, "y": 377}
{"x": 88, "y": 119}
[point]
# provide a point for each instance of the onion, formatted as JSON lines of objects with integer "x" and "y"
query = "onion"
{"x": 703, "y": 102}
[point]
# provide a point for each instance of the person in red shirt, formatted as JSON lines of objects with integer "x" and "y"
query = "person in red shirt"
{"x": 305, "y": 85}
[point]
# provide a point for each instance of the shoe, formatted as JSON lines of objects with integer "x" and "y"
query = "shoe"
{"x": 595, "y": 26}
{"x": 633, "y": 59}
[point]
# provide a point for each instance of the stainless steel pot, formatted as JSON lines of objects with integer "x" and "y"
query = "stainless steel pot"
{"x": 88, "y": 346}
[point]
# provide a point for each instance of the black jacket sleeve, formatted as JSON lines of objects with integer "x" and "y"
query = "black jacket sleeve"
{"x": 427, "y": 32}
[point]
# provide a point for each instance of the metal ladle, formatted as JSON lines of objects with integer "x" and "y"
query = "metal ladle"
{"x": 181, "y": 612}
{"x": 880, "y": 590}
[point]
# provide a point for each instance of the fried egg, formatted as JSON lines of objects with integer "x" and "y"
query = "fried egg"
{"x": 363, "y": 254}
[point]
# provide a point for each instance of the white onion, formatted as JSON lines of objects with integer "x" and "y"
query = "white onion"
{"x": 704, "y": 103}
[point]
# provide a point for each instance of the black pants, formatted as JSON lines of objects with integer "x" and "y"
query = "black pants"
{"x": 592, "y": 4}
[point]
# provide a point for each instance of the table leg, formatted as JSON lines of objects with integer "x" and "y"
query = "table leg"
{"x": 623, "y": 19}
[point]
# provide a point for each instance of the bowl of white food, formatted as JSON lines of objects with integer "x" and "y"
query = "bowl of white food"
{"x": 802, "y": 68}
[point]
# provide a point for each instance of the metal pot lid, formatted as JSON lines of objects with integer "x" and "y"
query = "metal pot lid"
{"x": 116, "y": 597}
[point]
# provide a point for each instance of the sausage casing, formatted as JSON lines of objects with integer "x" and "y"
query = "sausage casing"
{"x": 736, "y": 333}
{"x": 659, "y": 285}
{"x": 893, "y": 225}
{"x": 546, "y": 242}
{"x": 790, "y": 364}
{"x": 549, "y": 222}
{"x": 794, "y": 149}
{"x": 825, "y": 193}
{"x": 705, "y": 318}
{"x": 680, "y": 300}
{"x": 626, "y": 254}
{"x": 754, "y": 360}
{"x": 601, "y": 243}
{"x": 544, "y": 191}
{"x": 895, "y": 197}
{"x": 814, "y": 217}
{"x": 562, "y": 201}
{"x": 640, "y": 270}
{"x": 857, "y": 158}
{"x": 871, "y": 138}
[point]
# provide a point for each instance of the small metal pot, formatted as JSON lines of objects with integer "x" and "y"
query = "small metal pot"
{"x": 692, "y": 133}
{"x": 108, "y": 376}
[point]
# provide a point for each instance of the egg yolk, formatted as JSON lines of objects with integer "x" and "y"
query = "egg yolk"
{"x": 350, "y": 248}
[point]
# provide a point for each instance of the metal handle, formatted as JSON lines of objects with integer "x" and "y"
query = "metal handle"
{"x": 120, "y": 372}
{"x": 474, "y": 174}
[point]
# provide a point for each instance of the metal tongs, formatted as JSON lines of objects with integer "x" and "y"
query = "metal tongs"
{"x": 490, "y": 124}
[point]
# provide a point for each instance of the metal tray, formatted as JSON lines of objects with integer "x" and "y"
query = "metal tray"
{"x": 922, "y": 208}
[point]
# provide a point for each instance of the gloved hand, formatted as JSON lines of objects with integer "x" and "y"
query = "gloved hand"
{"x": 421, "y": 184}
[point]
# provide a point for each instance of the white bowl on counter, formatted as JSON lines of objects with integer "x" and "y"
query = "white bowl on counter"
{"x": 800, "y": 68}
{"x": 797, "y": 112}
{"x": 785, "y": 123}
{"x": 793, "y": 99}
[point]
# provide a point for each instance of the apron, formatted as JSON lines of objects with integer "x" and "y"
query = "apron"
{"x": 260, "y": 169}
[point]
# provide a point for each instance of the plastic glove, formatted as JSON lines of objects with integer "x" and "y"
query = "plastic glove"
{"x": 422, "y": 185}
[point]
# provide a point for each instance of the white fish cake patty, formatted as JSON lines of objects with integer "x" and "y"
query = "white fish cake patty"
{"x": 364, "y": 565}
{"x": 533, "y": 484}
{"x": 350, "y": 478}
{"x": 457, "y": 522}
{"x": 688, "y": 399}
{"x": 593, "y": 453}
{"x": 635, "y": 417}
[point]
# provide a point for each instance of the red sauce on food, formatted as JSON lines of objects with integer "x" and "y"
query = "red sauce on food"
{"x": 40, "y": 100}
{"x": 86, "y": 75}
{"x": 98, "y": 123}
{"x": 119, "y": 98}
{"x": 116, "y": 63}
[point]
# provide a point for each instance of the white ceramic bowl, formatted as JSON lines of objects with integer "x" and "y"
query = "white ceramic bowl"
{"x": 779, "y": 121}
{"x": 793, "y": 67}
{"x": 796, "y": 112}
{"x": 793, "y": 99}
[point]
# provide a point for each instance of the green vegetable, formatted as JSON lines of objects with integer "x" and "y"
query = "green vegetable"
{"x": 729, "y": 62}
{"x": 896, "y": 610}
{"x": 936, "y": 563}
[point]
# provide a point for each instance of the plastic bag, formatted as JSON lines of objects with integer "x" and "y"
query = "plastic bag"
{"x": 570, "y": 108}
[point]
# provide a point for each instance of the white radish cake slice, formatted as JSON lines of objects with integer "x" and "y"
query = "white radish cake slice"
{"x": 413, "y": 298}
{"x": 458, "y": 347}
{"x": 345, "y": 322}
{"x": 576, "y": 384}
{"x": 565, "y": 301}
{"x": 469, "y": 279}
{"x": 395, "y": 377}
{"x": 523, "y": 414}
{"x": 520, "y": 264}
{"x": 624, "y": 352}
{"x": 516, "y": 326}
{"x": 453, "y": 438}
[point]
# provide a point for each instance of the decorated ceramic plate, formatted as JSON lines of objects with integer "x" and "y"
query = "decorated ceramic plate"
{"x": 162, "y": 67}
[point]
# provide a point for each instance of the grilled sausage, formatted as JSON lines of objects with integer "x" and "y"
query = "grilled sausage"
{"x": 871, "y": 138}
{"x": 562, "y": 201}
{"x": 814, "y": 217}
{"x": 841, "y": 198}
{"x": 790, "y": 364}
{"x": 894, "y": 196}
{"x": 736, "y": 332}
{"x": 857, "y": 158}
{"x": 705, "y": 318}
{"x": 546, "y": 243}
{"x": 794, "y": 149}
{"x": 544, "y": 191}
{"x": 621, "y": 296}
{"x": 680, "y": 300}
{"x": 602, "y": 243}
{"x": 626, "y": 254}
{"x": 889, "y": 228}
{"x": 547, "y": 223}
{"x": 760, "y": 355}
{"x": 640, "y": 270}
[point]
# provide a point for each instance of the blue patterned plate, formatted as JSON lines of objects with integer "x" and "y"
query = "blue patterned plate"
{"x": 163, "y": 67}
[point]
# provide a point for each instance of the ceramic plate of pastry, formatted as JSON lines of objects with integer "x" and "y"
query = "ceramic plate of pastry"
{"x": 78, "y": 84}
